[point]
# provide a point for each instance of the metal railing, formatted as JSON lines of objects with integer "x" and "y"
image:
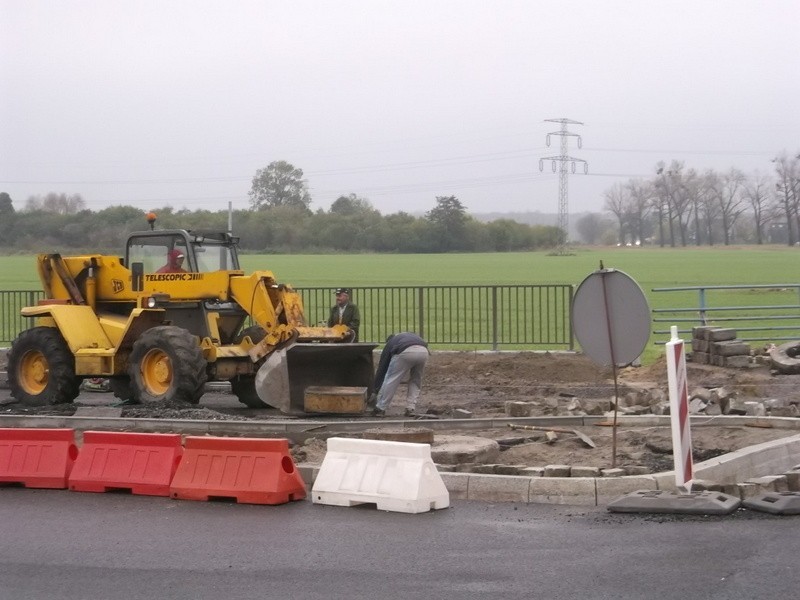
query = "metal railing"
{"x": 775, "y": 317}
{"x": 512, "y": 316}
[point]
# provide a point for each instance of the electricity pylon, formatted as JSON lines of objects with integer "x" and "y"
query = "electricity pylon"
{"x": 563, "y": 175}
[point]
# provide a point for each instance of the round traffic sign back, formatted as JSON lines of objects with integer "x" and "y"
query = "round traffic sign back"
{"x": 611, "y": 317}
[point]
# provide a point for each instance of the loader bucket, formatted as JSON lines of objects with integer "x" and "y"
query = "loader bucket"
{"x": 282, "y": 380}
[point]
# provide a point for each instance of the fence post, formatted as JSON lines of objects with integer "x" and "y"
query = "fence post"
{"x": 702, "y": 304}
{"x": 421, "y": 311}
{"x": 494, "y": 317}
{"x": 569, "y": 318}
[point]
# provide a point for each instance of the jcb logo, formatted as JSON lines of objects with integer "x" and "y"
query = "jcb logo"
{"x": 117, "y": 285}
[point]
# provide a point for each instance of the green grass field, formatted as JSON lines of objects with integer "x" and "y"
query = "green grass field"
{"x": 650, "y": 267}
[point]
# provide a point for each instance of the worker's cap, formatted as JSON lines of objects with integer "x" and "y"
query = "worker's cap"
{"x": 176, "y": 254}
{"x": 343, "y": 290}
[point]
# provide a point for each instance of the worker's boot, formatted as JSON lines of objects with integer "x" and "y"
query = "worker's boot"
{"x": 409, "y": 413}
{"x": 378, "y": 412}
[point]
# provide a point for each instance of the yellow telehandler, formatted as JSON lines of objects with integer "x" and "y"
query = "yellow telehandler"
{"x": 171, "y": 315}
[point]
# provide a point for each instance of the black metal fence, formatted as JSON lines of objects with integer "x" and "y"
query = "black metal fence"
{"x": 481, "y": 317}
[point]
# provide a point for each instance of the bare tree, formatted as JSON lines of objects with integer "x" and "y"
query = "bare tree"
{"x": 788, "y": 170}
{"x": 641, "y": 203}
{"x": 60, "y": 204}
{"x": 617, "y": 202}
{"x": 729, "y": 198}
{"x": 756, "y": 194}
{"x": 709, "y": 207}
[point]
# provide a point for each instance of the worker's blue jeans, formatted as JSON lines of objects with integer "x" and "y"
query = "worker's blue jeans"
{"x": 410, "y": 361}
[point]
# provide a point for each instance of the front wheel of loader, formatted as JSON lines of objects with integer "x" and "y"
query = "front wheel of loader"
{"x": 167, "y": 365}
{"x": 41, "y": 368}
{"x": 244, "y": 386}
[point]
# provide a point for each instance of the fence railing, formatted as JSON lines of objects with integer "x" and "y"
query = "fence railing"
{"x": 764, "y": 312}
{"x": 512, "y": 316}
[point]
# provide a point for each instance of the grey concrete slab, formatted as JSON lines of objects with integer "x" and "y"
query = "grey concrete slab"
{"x": 669, "y": 502}
{"x": 775, "y": 503}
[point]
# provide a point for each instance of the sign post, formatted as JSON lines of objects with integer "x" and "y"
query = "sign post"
{"x": 679, "y": 411}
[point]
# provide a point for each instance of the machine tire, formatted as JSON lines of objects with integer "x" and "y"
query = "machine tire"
{"x": 41, "y": 368}
{"x": 786, "y": 358}
{"x": 167, "y": 365}
{"x": 121, "y": 388}
{"x": 244, "y": 386}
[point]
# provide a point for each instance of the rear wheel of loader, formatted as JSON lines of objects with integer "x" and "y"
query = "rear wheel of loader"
{"x": 244, "y": 386}
{"x": 166, "y": 364}
{"x": 41, "y": 368}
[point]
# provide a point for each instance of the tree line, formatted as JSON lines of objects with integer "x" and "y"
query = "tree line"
{"x": 279, "y": 220}
{"x": 681, "y": 206}
{"x": 677, "y": 206}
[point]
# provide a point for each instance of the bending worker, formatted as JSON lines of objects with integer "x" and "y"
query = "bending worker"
{"x": 345, "y": 312}
{"x": 404, "y": 353}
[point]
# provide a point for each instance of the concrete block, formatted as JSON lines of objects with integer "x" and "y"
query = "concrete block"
{"x": 755, "y": 409}
{"x": 792, "y": 480}
{"x": 518, "y": 409}
{"x": 617, "y": 472}
{"x": 737, "y": 362}
{"x": 730, "y": 348}
{"x": 335, "y": 400}
{"x": 457, "y": 484}
{"x": 720, "y": 334}
{"x": 499, "y": 488}
{"x": 579, "y": 471}
{"x": 595, "y": 406}
{"x": 699, "y": 345}
{"x": 734, "y": 406}
{"x": 485, "y": 469}
{"x": 749, "y": 490}
{"x": 697, "y": 406}
{"x": 699, "y": 332}
{"x": 637, "y": 470}
{"x": 702, "y": 393}
{"x": 560, "y": 490}
{"x": 556, "y": 471}
{"x": 510, "y": 469}
{"x": 771, "y": 483}
{"x": 532, "y": 472}
{"x": 700, "y": 358}
{"x": 784, "y": 411}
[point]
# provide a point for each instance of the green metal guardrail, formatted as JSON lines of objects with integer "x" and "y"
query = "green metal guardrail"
{"x": 513, "y": 316}
{"x": 775, "y": 317}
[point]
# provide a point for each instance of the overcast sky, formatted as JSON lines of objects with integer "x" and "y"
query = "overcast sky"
{"x": 153, "y": 103}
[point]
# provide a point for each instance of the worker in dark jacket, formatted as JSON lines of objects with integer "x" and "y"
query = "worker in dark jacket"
{"x": 345, "y": 312}
{"x": 404, "y": 353}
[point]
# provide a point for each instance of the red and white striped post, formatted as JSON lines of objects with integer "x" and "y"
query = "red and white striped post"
{"x": 679, "y": 410}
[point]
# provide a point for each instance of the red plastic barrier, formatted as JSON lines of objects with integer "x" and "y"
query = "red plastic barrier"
{"x": 253, "y": 471}
{"x": 143, "y": 463}
{"x": 37, "y": 458}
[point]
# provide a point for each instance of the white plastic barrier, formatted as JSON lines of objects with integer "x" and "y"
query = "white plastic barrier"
{"x": 396, "y": 476}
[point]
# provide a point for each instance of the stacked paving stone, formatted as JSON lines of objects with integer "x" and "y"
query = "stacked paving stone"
{"x": 719, "y": 346}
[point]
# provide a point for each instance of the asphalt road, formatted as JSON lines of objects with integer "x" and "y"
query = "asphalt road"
{"x": 66, "y": 545}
